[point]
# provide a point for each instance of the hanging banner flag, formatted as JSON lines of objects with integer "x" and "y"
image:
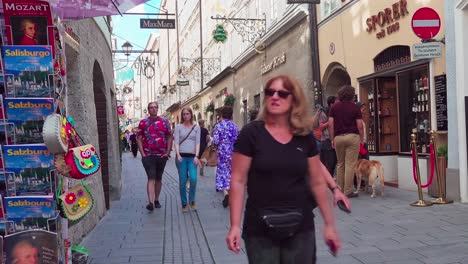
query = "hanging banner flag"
{"x": 120, "y": 110}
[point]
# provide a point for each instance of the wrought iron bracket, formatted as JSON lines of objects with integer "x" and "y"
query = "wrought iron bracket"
{"x": 145, "y": 67}
{"x": 210, "y": 65}
{"x": 250, "y": 29}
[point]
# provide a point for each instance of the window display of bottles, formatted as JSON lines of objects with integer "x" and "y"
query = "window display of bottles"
{"x": 421, "y": 98}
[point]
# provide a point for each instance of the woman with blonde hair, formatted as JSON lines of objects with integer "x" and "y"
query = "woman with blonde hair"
{"x": 276, "y": 158}
{"x": 187, "y": 148}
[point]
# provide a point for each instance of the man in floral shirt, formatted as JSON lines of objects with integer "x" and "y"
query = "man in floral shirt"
{"x": 154, "y": 141}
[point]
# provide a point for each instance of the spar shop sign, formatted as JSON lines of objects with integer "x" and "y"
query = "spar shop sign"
{"x": 386, "y": 22}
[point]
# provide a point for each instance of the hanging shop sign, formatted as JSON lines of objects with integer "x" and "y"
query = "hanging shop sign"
{"x": 276, "y": 62}
{"x": 157, "y": 23}
{"x": 387, "y": 19}
{"x": 304, "y": 2}
{"x": 120, "y": 110}
{"x": 182, "y": 83}
{"x": 219, "y": 34}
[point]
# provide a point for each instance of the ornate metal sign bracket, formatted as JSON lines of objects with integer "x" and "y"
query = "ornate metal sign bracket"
{"x": 250, "y": 29}
{"x": 210, "y": 65}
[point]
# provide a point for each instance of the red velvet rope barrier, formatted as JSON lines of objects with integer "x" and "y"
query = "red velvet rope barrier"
{"x": 432, "y": 161}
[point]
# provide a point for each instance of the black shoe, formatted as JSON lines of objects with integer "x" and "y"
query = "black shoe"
{"x": 157, "y": 204}
{"x": 352, "y": 195}
{"x": 149, "y": 207}
{"x": 226, "y": 201}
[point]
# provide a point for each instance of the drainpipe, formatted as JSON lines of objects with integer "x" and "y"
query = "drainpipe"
{"x": 314, "y": 53}
{"x": 201, "y": 46}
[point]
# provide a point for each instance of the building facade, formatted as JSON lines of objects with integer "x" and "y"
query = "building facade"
{"x": 457, "y": 92}
{"x": 91, "y": 102}
{"x": 369, "y": 45}
{"x": 277, "y": 43}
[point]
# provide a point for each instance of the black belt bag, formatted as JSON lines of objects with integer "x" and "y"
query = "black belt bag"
{"x": 281, "y": 222}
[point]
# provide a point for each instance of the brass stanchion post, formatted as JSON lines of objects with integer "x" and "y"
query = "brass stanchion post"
{"x": 420, "y": 202}
{"x": 442, "y": 195}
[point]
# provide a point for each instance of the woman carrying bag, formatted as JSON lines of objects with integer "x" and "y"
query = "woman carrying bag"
{"x": 187, "y": 147}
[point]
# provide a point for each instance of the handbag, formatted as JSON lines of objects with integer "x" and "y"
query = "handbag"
{"x": 76, "y": 202}
{"x": 53, "y": 134}
{"x": 210, "y": 156}
{"x": 83, "y": 161}
{"x": 281, "y": 222}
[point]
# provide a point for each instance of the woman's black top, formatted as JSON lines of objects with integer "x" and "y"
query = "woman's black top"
{"x": 278, "y": 174}
{"x": 133, "y": 139}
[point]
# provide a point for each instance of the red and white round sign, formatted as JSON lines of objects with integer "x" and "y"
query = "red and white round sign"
{"x": 425, "y": 23}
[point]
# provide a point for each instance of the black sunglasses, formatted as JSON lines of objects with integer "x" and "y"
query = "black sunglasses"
{"x": 270, "y": 92}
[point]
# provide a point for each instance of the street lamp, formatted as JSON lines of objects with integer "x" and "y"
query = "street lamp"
{"x": 127, "y": 48}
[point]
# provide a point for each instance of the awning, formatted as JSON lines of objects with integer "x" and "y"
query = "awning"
{"x": 79, "y": 9}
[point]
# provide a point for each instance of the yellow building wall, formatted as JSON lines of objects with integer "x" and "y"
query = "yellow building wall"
{"x": 355, "y": 48}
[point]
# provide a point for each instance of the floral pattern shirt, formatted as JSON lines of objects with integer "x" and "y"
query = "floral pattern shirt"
{"x": 154, "y": 133}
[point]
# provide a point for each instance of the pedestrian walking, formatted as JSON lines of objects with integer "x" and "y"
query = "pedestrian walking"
{"x": 347, "y": 133}
{"x": 224, "y": 135}
{"x": 204, "y": 140}
{"x": 327, "y": 152}
{"x": 133, "y": 143}
{"x": 154, "y": 143}
{"x": 276, "y": 157}
{"x": 187, "y": 148}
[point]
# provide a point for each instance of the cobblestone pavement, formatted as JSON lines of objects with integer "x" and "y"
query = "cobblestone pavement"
{"x": 379, "y": 231}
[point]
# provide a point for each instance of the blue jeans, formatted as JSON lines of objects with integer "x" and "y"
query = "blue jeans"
{"x": 187, "y": 169}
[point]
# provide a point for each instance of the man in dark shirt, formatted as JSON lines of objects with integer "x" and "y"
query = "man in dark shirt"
{"x": 346, "y": 132}
{"x": 204, "y": 140}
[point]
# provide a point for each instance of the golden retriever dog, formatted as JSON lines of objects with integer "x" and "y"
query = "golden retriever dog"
{"x": 369, "y": 170}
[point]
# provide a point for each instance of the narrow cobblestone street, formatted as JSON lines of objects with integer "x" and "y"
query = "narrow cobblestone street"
{"x": 381, "y": 230}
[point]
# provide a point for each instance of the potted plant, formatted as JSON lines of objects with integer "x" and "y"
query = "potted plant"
{"x": 441, "y": 159}
{"x": 229, "y": 100}
{"x": 210, "y": 107}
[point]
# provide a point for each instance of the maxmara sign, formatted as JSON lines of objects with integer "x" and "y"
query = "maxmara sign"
{"x": 277, "y": 61}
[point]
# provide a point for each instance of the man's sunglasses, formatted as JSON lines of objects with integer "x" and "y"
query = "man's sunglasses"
{"x": 270, "y": 92}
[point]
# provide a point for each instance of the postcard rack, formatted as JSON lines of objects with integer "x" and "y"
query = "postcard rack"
{"x": 32, "y": 86}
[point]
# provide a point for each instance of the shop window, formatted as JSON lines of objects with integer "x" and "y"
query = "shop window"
{"x": 257, "y": 101}
{"x": 381, "y": 117}
{"x": 391, "y": 57}
{"x": 327, "y": 7}
{"x": 397, "y": 106}
{"x": 414, "y": 95}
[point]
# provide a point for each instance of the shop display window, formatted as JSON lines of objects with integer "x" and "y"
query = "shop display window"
{"x": 381, "y": 117}
{"x": 414, "y": 95}
{"x": 397, "y": 106}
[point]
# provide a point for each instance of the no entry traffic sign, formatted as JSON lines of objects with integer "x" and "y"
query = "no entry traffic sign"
{"x": 425, "y": 23}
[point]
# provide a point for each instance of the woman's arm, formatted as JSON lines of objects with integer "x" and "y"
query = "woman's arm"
{"x": 216, "y": 135}
{"x": 176, "y": 142}
{"x": 320, "y": 191}
{"x": 335, "y": 189}
{"x": 239, "y": 177}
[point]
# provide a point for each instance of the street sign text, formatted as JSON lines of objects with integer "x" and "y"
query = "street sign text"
{"x": 427, "y": 50}
{"x": 157, "y": 23}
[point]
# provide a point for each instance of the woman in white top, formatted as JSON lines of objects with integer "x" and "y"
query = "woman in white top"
{"x": 187, "y": 146}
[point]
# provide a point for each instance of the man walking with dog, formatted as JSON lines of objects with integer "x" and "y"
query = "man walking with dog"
{"x": 154, "y": 143}
{"x": 346, "y": 132}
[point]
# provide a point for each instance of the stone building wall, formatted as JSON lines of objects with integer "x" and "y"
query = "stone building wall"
{"x": 91, "y": 102}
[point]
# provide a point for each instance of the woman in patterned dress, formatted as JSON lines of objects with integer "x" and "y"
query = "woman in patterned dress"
{"x": 224, "y": 135}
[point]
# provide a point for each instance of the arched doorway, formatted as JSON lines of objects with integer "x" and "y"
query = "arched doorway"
{"x": 100, "y": 103}
{"x": 334, "y": 78}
